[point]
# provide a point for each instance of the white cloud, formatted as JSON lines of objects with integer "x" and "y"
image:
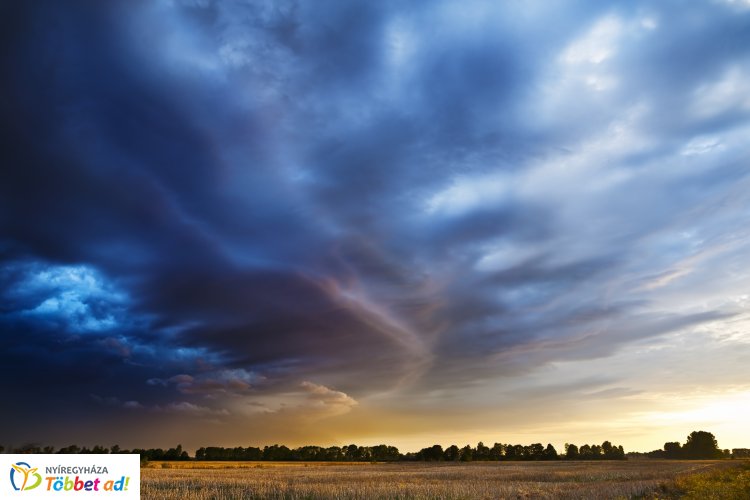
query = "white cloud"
{"x": 730, "y": 92}
{"x": 401, "y": 44}
{"x": 649, "y": 23}
{"x": 466, "y": 194}
{"x": 328, "y": 400}
{"x": 498, "y": 256}
{"x": 702, "y": 145}
{"x": 737, "y": 4}
{"x": 596, "y": 46}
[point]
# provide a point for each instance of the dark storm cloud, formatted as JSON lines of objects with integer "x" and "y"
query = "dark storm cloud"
{"x": 221, "y": 199}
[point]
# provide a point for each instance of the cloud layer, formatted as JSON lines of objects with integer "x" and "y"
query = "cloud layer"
{"x": 234, "y": 211}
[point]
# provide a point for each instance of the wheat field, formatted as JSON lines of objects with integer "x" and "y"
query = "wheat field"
{"x": 264, "y": 480}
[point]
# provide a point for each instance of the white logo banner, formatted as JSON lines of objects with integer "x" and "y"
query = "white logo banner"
{"x": 48, "y": 476}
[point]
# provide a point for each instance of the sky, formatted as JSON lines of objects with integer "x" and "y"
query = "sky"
{"x": 236, "y": 223}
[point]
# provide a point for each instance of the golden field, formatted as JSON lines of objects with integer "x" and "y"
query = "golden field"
{"x": 645, "y": 479}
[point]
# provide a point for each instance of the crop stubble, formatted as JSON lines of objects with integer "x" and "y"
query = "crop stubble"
{"x": 316, "y": 480}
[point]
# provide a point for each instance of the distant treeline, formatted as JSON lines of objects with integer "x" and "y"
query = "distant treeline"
{"x": 700, "y": 445}
{"x": 354, "y": 453}
{"x": 351, "y": 453}
{"x": 499, "y": 452}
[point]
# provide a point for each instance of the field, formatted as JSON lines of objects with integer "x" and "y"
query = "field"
{"x": 646, "y": 479}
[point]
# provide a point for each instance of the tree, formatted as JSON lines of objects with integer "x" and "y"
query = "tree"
{"x": 672, "y": 450}
{"x": 496, "y": 452}
{"x": 384, "y": 453}
{"x": 173, "y": 453}
{"x": 432, "y": 454}
{"x": 365, "y": 453}
{"x": 276, "y": 452}
{"x": 550, "y": 453}
{"x": 351, "y": 453}
{"x": 611, "y": 452}
{"x": 482, "y": 452}
{"x": 701, "y": 444}
{"x": 533, "y": 452}
{"x": 514, "y": 452}
{"x": 571, "y": 451}
{"x": 452, "y": 453}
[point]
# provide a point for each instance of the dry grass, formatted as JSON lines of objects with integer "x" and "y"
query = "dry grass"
{"x": 718, "y": 484}
{"x": 261, "y": 480}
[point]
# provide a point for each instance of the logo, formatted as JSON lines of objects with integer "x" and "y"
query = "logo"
{"x": 45, "y": 475}
{"x": 23, "y": 477}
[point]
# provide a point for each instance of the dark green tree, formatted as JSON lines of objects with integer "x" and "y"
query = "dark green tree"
{"x": 384, "y": 453}
{"x": 672, "y": 450}
{"x": 514, "y": 452}
{"x": 452, "y": 453}
{"x": 351, "y": 453}
{"x": 173, "y": 453}
{"x": 533, "y": 452}
{"x": 550, "y": 453}
{"x": 434, "y": 453}
{"x": 701, "y": 444}
{"x": 571, "y": 452}
{"x": 276, "y": 452}
{"x": 482, "y": 452}
{"x": 496, "y": 452}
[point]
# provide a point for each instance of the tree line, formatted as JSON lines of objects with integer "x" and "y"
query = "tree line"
{"x": 501, "y": 452}
{"x": 699, "y": 445}
{"x": 351, "y": 453}
{"x": 354, "y": 453}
